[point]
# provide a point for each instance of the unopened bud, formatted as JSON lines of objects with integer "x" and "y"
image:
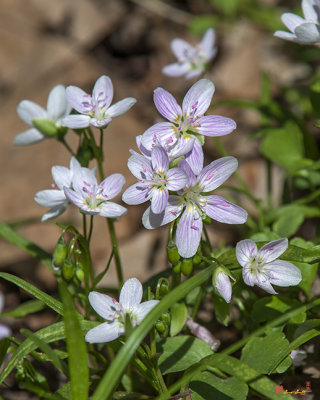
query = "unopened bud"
{"x": 207, "y": 220}
{"x": 172, "y": 252}
{"x": 221, "y": 282}
{"x": 68, "y": 270}
{"x": 60, "y": 252}
{"x": 161, "y": 327}
{"x": 204, "y": 334}
{"x": 177, "y": 268}
{"x": 187, "y": 266}
{"x": 166, "y": 318}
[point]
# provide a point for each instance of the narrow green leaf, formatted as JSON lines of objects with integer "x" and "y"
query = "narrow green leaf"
{"x": 111, "y": 378}
{"x": 37, "y": 293}
{"x": 29, "y": 307}
{"x": 48, "y": 334}
{"x": 77, "y": 349}
{"x": 25, "y": 244}
{"x": 43, "y": 346}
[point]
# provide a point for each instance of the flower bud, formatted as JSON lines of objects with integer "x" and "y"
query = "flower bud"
{"x": 187, "y": 266}
{"x": 166, "y": 317}
{"x": 68, "y": 269}
{"x": 164, "y": 287}
{"x": 45, "y": 126}
{"x": 221, "y": 282}
{"x": 172, "y": 252}
{"x": 177, "y": 268}
{"x": 196, "y": 259}
{"x": 80, "y": 274}
{"x": 161, "y": 328}
{"x": 207, "y": 220}
{"x": 60, "y": 252}
{"x": 204, "y": 334}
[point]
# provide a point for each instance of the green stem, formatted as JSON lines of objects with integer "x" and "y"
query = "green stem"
{"x": 84, "y": 223}
{"x": 90, "y": 229}
{"x": 115, "y": 251}
{"x": 207, "y": 238}
{"x": 97, "y": 153}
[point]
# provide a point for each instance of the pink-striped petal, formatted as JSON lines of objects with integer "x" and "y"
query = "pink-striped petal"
{"x": 198, "y": 98}
{"x": 177, "y": 179}
{"x": 171, "y": 212}
{"x": 223, "y": 286}
{"x": 131, "y": 294}
{"x": 222, "y": 210}
{"x": 76, "y": 121}
{"x": 215, "y": 125}
{"x": 246, "y": 251}
{"x": 79, "y": 99}
{"x": 159, "y": 200}
{"x": 121, "y": 107}
{"x": 110, "y": 209}
{"x": 136, "y": 194}
{"x": 104, "y": 305}
{"x": 189, "y": 232}
{"x": 195, "y": 157}
{"x": 283, "y": 273}
{"x": 216, "y": 173}
{"x": 62, "y": 176}
{"x": 162, "y": 133}
{"x": 102, "y": 93}
{"x": 159, "y": 159}
{"x": 140, "y": 166}
{"x": 190, "y": 174}
{"x": 167, "y": 105}
{"x": 112, "y": 185}
{"x": 270, "y": 251}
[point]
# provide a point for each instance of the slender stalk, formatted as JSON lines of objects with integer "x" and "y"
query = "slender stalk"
{"x": 84, "y": 223}
{"x": 207, "y": 238}
{"x": 90, "y": 229}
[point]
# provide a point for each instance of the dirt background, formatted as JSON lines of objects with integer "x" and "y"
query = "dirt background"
{"x": 73, "y": 42}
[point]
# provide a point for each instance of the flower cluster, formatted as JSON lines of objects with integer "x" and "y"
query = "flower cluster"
{"x": 302, "y": 30}
{"x": 79, "y": 186}
{"x": 191, "y": 60}
{"x": 182, "y": 193}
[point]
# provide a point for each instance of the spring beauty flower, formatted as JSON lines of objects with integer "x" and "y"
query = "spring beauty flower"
{"x": 5, "y": 331}
{"x": 193, "y": 205}
{"x": 186, "y": 123}
{"x": 191, "y": 60}
{"x": 302, "y": 30}
{"x": 155, "y": 179}
{"x": 95, "y": 109}
{"x": 93, "y": 198}
{"x": 36, "y": 116}
{"x": 55, "y": 198}
{"x": 262, "y": 267}
{"x": 116, "y": 312}
{"x": 222, "y": 283}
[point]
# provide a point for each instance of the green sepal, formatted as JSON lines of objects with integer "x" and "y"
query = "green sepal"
{"x": 45, "y": 126}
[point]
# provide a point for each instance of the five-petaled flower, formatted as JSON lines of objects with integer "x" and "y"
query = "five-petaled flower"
{"x": 95, "y": 110}
{"x": 92, "y": 198}
{"x": 155, "y": 179}
{"x": 116, "y": 312}
{"x": 262, "y": 268}
{"x": 30, "y": 112}
{"x": 178, "y": 136}
{"x": 56, "y": 198}
{"x": 191, "y": 60}
{"x": 193, "y": 205}
{"x": 302, "y": 30}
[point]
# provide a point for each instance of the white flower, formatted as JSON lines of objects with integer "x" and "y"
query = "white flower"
{"x": 56, "y": 199}
{"x": 5, "y": 331}
{"x": 302, "y": 30}
{"x": 29, "y": 112}
{"x": 223, "y": 285}
{"x": 262, "y": 268}
{"x": 192, "y": 60}
{"x": 115, "y": 312}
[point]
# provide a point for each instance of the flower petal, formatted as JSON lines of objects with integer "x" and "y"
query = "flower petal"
{"x": 183, "y": 146}
{"x": 191, "y": 176}
{"x": 215, "y": 125}
{"x": 142, "y": 148}
{"x": 5, "y": 331}
{"x": 84, "y": 181}
{"x": 310, "y": 9}
{"x": 217, "y": 172}
{"x": 79, "y": 99}
{"x": 75, "y": 198}
{"x": 140, "y": 166}
{"x": 223, "y": 211}
{"x": 136, "y": 194}
{"x": 195, "y": 157}
{"x": 291, "y": 21}
{"x": 54, "y": 212}
{"x": 308, "y": 33}
{"x": 283, "y": 273}
{"x": 62, "y": 176}
{"x": 102, "y": 93}
{"x": 162, "y": 133}
{"x": 167, "y": 105}
{"x": 103, "y": 333}
{"x": 27, "y": 137}
{"x": 144, "y": 308}
{"x": 270, "y": 251}
{"x": 159, "y": 159}
{"x": 195, "y": 72}
{"x": 246, "y": 250}
{"x": 207, "y": 47}
{"x": 189, "y": 232}
{"x": 76, "y": 121}
{"x": 50, "y": 198}
{"x": 198, "y": 98}
{"x": 110, "y": 209}
{"x": 171, "y": 212}
{"x": 121, "y": 107}
{"x": 159, "y": 200}
{"x": 286, "y": 36}
{"x": 131, "y": 294}
{"x": 28, "y": 110}
{"x": 177, "y": 179}
{"x": 265, "y": 284}
{"x": 100, "y": 123}
{"x": 57, "y": 104}
{"x": 112, "y": 185}
{"x": 74, "y": 165}
{"x": 104, "y": 305}
{"x": 176, "y": 69}
{"x": 182, "y": 49}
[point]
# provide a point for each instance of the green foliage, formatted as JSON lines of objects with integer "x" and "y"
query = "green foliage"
{"x": 179, "y": 314}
